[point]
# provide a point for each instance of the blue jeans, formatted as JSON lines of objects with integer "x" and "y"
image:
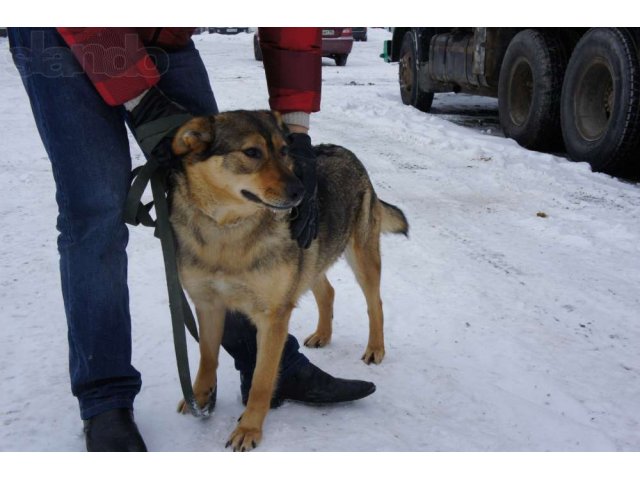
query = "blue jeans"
{"x": 86, "y": 141}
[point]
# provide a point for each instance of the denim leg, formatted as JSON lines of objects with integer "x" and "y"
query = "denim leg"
{"x": 86, "y": 141}
{"x": 239, "y": 339}
{"x": 185, "y": 80}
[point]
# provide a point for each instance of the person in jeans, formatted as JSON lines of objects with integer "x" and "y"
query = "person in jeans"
{"x": 85, "y": 85}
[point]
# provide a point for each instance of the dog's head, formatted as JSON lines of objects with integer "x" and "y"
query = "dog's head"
{"x": 238, "y": 158}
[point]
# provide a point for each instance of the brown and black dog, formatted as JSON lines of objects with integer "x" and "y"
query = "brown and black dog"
{"x": 231, "y": 202}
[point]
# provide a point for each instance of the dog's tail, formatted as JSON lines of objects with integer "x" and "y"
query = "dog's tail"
{"x": 393, "y": 219}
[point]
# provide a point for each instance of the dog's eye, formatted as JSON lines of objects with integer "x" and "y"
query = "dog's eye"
{"x": 284, "y": 151}
{"x": 252, "y": 153}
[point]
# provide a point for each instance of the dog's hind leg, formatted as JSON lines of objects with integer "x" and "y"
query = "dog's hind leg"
{"x": 324, "y": 294}
{"x": 363, "y": 255}
{"x": 211, "y": 327}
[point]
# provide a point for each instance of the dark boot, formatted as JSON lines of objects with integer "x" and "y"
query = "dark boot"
{"x": 309, "y": 384}
{"x": 113, "y": 431}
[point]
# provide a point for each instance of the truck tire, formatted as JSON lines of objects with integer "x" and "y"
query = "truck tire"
{"x": 529, "y": 89}
{"x": 600, "y": 106}
{"x": 408, "y": 75}
{"x": 257, "y": 51}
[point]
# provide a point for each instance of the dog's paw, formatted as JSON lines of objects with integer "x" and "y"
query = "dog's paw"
{"x": 203, "y": 407}
{"x": 243, "y": 439}
{"x": 317, "y": 340}
{"x": 373, "y": 355}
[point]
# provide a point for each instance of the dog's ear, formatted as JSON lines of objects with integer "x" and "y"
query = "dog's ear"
{"x": 275, "y": 117}
{"x": 284, "y": 128}
{"x": 278, "y": 117}
{"x": 194, "y": 136}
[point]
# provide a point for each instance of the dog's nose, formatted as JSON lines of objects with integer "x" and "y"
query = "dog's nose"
{"x": 295, "y": 192}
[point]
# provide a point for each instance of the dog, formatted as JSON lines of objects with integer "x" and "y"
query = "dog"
{"x": 231, "y": 201}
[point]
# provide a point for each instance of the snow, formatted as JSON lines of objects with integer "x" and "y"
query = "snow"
{"x": 511, "y": 311}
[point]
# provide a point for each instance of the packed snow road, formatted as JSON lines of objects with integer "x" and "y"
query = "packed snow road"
{"x": 511, "y": 311}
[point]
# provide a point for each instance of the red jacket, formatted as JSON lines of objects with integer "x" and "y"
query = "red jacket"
{"x": 116, "y": 61}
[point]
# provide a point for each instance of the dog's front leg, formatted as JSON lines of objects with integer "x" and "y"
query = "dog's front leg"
{"x": 211, "y": 325}
{"x": 272, "y": 335}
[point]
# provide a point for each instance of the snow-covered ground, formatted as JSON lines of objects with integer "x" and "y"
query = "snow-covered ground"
{"x": 512, "y": 311}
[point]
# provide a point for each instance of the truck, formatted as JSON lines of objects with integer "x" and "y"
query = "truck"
{"x": 573, "y": 90}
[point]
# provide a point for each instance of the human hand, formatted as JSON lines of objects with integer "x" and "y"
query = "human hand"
{"x": 304, "y": 218}
{"x": 154, "y": 119}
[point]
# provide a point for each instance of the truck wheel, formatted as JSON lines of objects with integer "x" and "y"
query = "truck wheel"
{"x": 600, "y": 107}
{"x": 529, "y": 89}
{"x": 408, "y": 75}
{"x": 257, "y": 51}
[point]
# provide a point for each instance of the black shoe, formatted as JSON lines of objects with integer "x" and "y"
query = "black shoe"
{"x": 311, "y": 385}
{"x": 113, "y": 431}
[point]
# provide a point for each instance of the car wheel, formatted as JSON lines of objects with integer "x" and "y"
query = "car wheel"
{"x": 408, "y": 75}
{"x": 257, "y": 51}
{"x": 600, "y": 106}
{"x": 341, "y": 60}
{"x": 529, "y": 89}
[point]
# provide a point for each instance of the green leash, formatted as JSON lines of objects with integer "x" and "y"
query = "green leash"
{"x": 137, "y": 213}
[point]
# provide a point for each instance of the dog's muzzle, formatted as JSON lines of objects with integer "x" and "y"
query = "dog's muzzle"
{"x": 294, "y": 192}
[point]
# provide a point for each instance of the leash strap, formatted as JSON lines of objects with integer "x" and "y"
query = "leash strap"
{"x": 151, "y": 133}
{"x": 138, "y": 213}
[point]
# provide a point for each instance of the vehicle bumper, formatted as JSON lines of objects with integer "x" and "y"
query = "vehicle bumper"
{"x": 336, "y": 46}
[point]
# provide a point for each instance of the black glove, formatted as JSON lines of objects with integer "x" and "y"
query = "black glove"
{"x": 304, "y": 217}
{"x": 154, "y": 121}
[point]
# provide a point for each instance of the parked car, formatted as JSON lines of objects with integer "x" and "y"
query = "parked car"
{"x": 3, "y": 31}
{"x": 359, "y": 34}
{"x": 228, "y": 30}
{"x": 337, "y": 43}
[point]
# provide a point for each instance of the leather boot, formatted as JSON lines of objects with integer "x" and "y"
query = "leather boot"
{"x": 308, "y": 384}
{"x": 113, "y": 431}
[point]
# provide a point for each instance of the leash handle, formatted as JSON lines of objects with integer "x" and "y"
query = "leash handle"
{"x": 136, "y": 213}
{"x": 176, "y": 304}
{"x": 181, "y": 315}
